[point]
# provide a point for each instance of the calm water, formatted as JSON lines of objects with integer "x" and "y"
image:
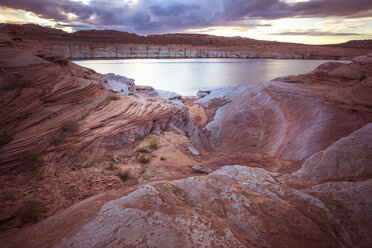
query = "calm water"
{"x": 187, "y": 76}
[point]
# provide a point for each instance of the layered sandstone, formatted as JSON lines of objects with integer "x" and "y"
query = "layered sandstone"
{"x": 93, "y": 44}
{"x": 68, "y": 121}
{"x": 56, "y": 91}
{"x": 294, "y": 117}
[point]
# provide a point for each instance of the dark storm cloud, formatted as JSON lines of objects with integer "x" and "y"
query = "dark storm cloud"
{"x": 313, "y": 32}
{"x": 148, "y": 16}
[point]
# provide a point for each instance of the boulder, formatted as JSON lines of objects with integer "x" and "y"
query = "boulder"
{"x": 120, "y": 84}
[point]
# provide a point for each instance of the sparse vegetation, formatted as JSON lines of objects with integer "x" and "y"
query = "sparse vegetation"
{"x": 143, "y": 159}
{"x": 154, "y": 144}
{"x": 5, "y": 139}
{"x": 32, "y": 156}
{"x": 111, "y": 166}
{"x": 18, "y": 83}
{"x": 57, "y": 139}
{"x": 142, "y": 150}
{"x": 142, "y": 170}
{"x": 30, "y": 211}
{"x": 362, "y": 78}
{"x": 162, "y": 158}
{"x": 39, "y": 174}
{"x": 115, "y": 97}
{"x": 7, "y": 196}
{"x": 71, "y": 126}
{"x": 124, "y": 175}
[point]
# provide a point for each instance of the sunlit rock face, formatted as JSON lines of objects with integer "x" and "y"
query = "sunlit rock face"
{"x": 294, "y": 117}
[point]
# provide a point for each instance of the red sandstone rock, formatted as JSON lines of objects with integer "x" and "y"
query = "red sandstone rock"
{"x": 299, "y": 115}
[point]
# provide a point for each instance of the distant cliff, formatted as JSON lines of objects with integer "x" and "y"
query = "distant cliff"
{"x": 118, "y": 51}
{"x": 95, "y": 44}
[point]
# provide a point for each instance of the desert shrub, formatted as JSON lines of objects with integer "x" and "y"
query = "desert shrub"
{"x": 30, "y": 211}
{"x": 57, "y": 139}
{"x": 162, "y": 158}
{"x": 111, "y": 166}
{"x": 39, "y": 174}
{"x": 124, "y": 175}
{"x": 143, "y": 159}
{"x": 154, "y": 144}
{"x": 18, "y": 83}
{"x": 5, "y": 139}
{"x": 115, "y": 97}
{"x": 32, "y": 156}
{"x": 142, "y": 170}
{"x": 70, "y": 126}
{"x": 142, "y": 150}
{"x": 362, "y": 78}
{"x": 7, "y": 196}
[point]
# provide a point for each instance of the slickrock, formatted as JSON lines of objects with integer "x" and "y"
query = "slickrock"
{"x": 233, "y": 206}
{"x": 296, "y": 116}
{"x": 61, "y": 115}
{"x": 346, "y": 159}
{"x": 120, "y": 84}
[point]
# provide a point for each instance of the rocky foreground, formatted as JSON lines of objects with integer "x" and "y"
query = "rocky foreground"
{"x": 286, "y": 163}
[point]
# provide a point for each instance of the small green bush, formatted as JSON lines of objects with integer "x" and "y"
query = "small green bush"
{"x": 143, "y": 159}
{"x": 142, "y": 150}
{"x": 124, "y": 175}
{"x": 115, "y": 97}
{"x": 154, "y": 144}
{"x": 5, "y": 139}
{"x": 70, "y": 126}
{"x": 30, "y": 211}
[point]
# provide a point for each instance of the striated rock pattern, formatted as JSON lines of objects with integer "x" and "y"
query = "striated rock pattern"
{"x": 92, "y": 44}
{"x": 296, "y": 116}
{"x": 59, "y": 114}
{"x": 345, "y": 159}
{"x": 234, "y": 206}
{"x": 55, "y": 113}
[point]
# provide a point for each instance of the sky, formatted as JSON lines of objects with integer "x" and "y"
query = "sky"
{"x": 302, "y": 21}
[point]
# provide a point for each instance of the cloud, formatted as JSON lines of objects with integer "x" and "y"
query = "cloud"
{"x": 313, "y": 32}
{"x": 156, "y": 16}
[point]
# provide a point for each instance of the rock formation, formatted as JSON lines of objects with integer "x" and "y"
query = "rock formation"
{"x": 69, "y": 123}
{"x": 93, "y": 44}
{"x": 41, "y": 95}
{"x": 294, "y": 117}
{"x": 233, "y": 206}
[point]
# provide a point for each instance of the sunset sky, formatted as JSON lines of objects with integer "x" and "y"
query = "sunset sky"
{"x": 303, "y": 21}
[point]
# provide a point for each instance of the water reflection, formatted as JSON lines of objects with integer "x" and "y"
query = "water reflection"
{"x": 187, "y": 76}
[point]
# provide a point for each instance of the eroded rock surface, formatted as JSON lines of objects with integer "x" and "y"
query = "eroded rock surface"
{"x": 345, "y": 159}
{"x": 232, "y": 206}
{"x": 296, "y": 116}
{"x": 62, "y": 116}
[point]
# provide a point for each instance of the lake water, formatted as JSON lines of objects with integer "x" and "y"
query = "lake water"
{"x": 187, "y": 76}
